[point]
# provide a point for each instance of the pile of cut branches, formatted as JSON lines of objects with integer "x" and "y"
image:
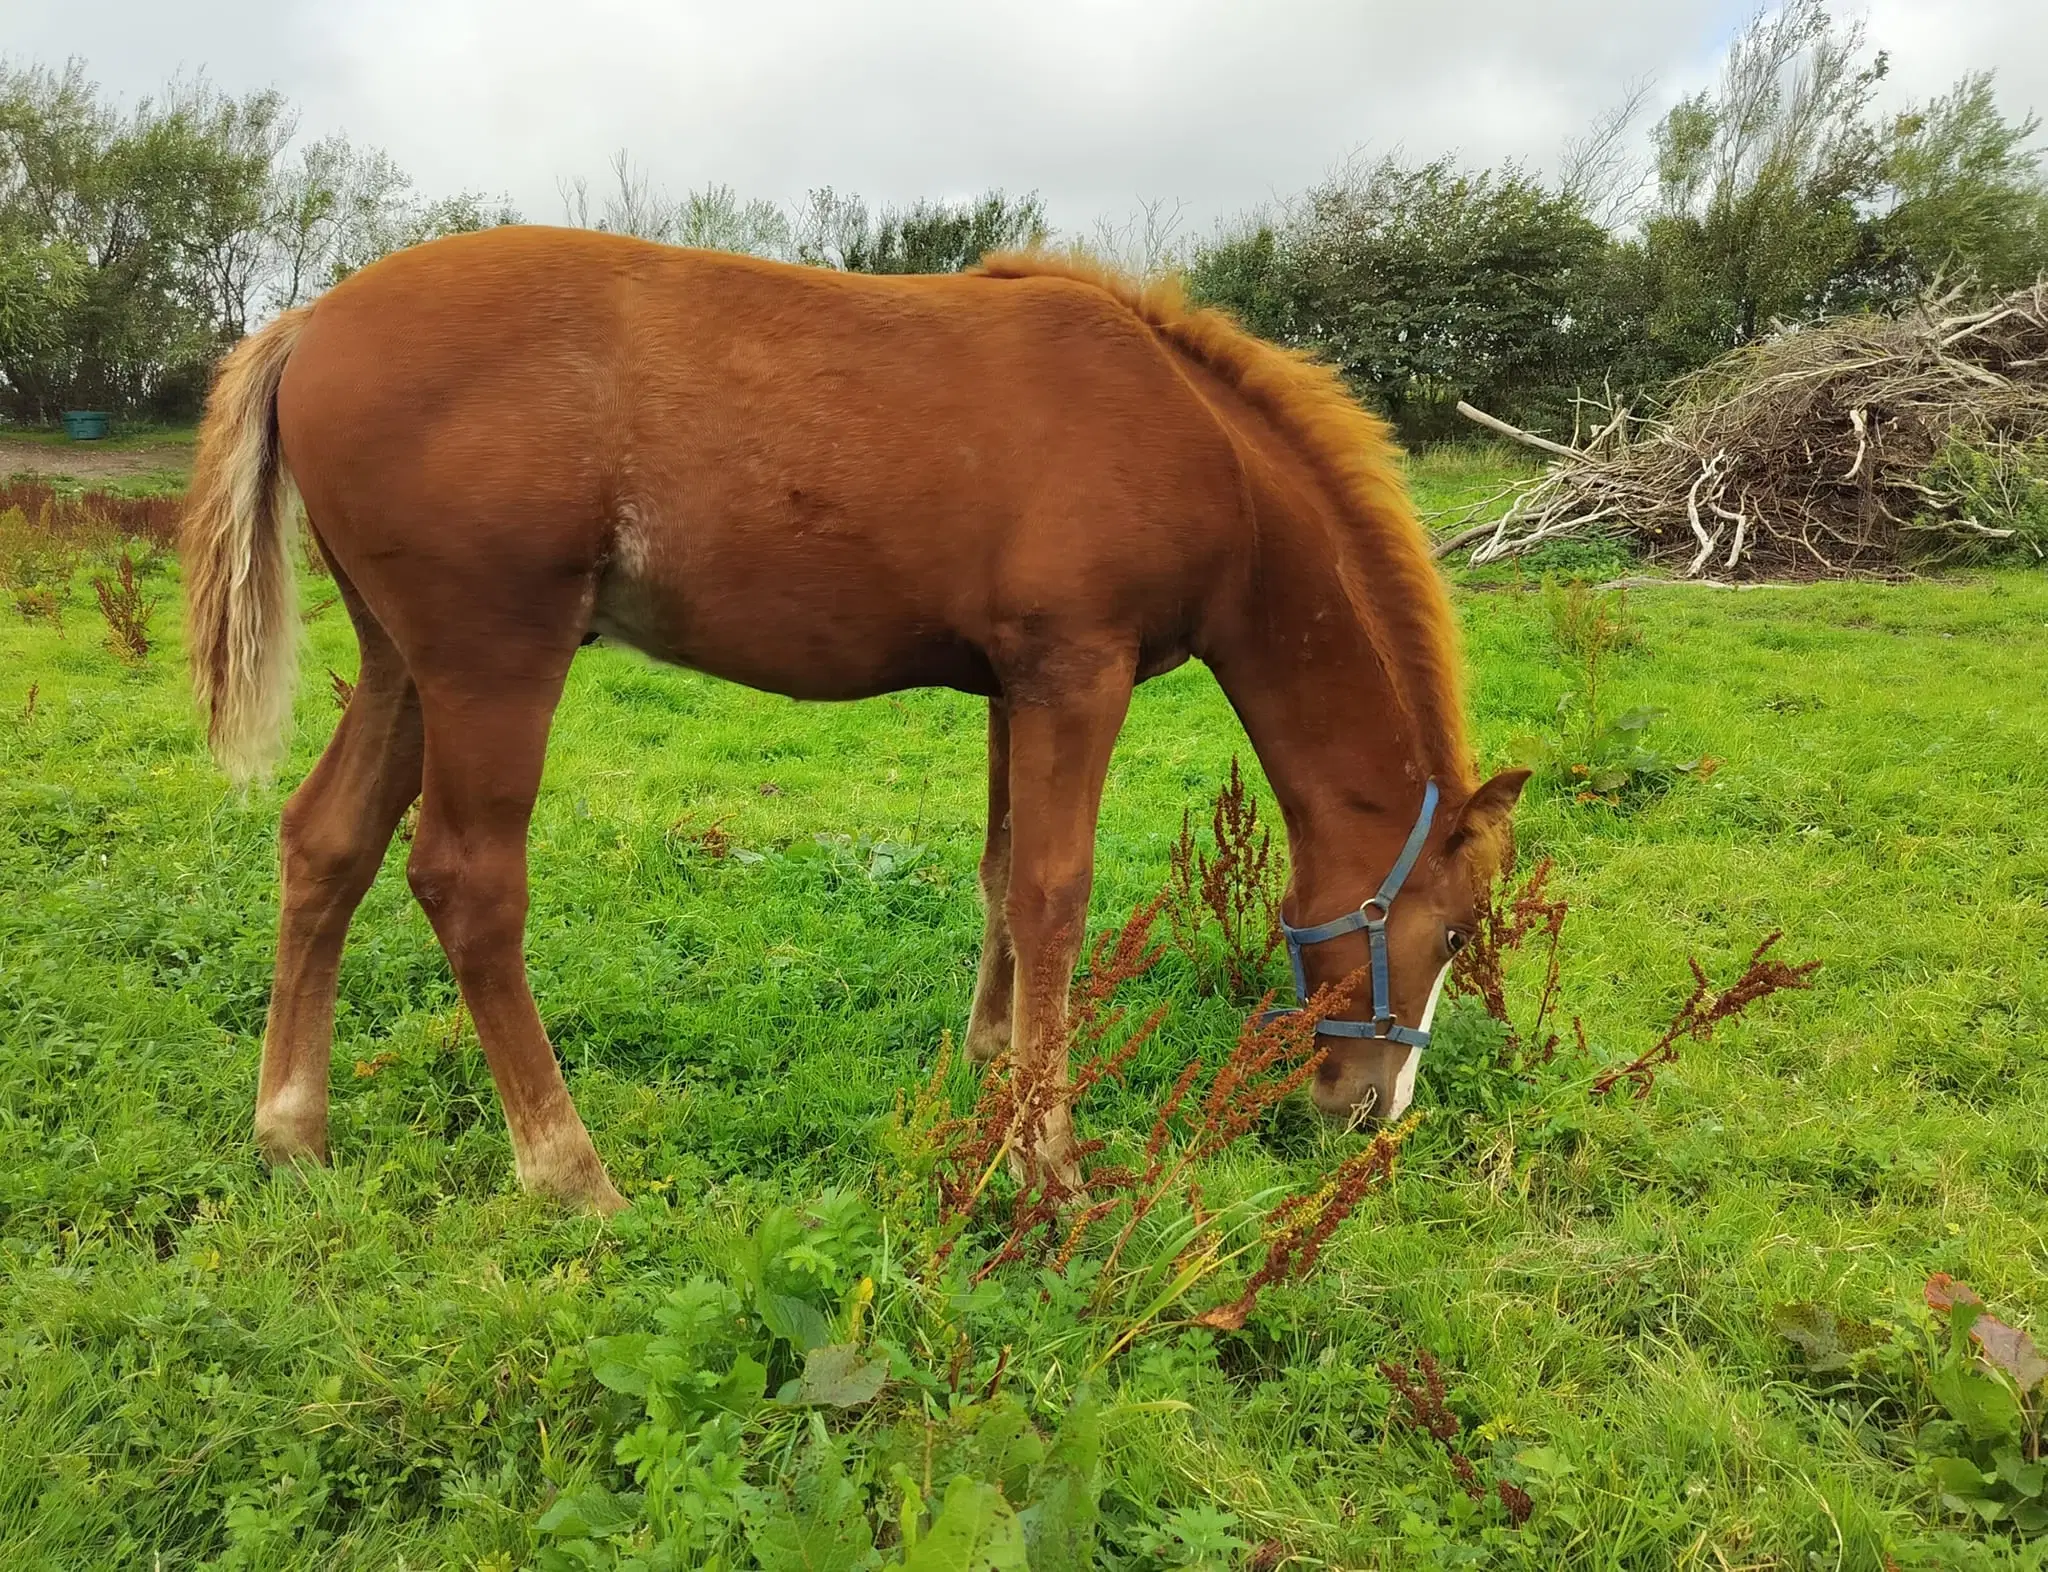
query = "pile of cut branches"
{"x": 1812, "y": 453}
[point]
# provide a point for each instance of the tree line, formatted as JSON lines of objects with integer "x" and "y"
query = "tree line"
{"x": 134, "y": 247}
{"x": 1774, "y": 197}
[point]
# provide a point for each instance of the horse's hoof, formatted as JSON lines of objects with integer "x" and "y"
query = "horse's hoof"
{"x": 287, "y": 1144}
{"x": 986, "y": 1039}
{"x": 568, "y": 1170}
{"x": 593, "y": 1193}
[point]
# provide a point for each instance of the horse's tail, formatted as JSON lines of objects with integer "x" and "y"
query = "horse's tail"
{"x": 241, "y": 625}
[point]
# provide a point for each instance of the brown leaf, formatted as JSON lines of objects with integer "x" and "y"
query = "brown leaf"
{"x": 1226, "y": 1318}
{"x": 2011, "y": 1350}
{"x": 1943, "y": 1293}
{"x": 2004, "y": 1347}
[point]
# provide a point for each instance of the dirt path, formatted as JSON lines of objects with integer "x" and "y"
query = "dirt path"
{"x": 91, "y": 461}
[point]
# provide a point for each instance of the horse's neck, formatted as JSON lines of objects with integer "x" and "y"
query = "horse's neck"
{"x": 1329, "y": 730}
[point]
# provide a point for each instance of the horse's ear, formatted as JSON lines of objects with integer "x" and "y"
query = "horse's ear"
{"x": 1487, "y": 811}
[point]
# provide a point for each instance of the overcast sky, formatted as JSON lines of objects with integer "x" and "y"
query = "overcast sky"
{"x": 1219, "y": 104}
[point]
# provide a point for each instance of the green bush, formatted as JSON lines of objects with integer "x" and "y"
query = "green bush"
{"x": 1424, "y": 286}
{"x": 1996, "y": 485}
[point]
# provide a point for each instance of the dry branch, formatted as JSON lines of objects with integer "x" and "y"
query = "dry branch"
{"x": 1516, "y": 433}
{"x": 1464, "y": 537}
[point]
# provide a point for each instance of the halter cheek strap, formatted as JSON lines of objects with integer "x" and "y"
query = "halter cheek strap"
{"x": 1371, "y": 917}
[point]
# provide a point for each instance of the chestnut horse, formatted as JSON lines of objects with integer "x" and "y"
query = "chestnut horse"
{"x": 1037, "y": 482}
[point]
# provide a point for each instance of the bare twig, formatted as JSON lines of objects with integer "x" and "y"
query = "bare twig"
{"x": 1860, "y": 419}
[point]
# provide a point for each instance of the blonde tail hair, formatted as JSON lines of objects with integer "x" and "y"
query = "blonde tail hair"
{"x": 241, "y": 623}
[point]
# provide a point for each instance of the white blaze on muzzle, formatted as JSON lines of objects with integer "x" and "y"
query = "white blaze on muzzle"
{"x": 1404, "y": 1083}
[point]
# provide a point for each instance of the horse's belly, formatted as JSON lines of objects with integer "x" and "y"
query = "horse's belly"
{"x": 807, "y": 641}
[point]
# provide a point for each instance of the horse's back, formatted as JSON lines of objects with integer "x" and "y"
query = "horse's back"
{"x": 806, "y": 480}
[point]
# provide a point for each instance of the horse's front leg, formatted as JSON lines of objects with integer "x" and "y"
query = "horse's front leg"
{"x": 988, "y": 1026}
{"x": 1059, "y": 754}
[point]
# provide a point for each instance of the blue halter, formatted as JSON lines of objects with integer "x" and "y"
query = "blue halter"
{"x": 1372, "y": 917}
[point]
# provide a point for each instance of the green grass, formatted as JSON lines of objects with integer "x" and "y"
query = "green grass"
{"x": 151, "y": 483}
{"x": 1446, "y": 481}
{"x": 385, "y": 1364}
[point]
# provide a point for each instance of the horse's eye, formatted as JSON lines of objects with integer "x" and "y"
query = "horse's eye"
{"x": 1455, "y": 940}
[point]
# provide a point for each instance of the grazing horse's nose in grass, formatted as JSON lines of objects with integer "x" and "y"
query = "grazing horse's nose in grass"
{"x": 1371, "y": 1084}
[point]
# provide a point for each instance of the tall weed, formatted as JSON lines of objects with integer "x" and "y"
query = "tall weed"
{"x": 1598, "y": 756}
{"x": 1236, "y": 884}
{"x": 91, "y": 519}
{"x": 126, "y": 611}
{"x": 37, "y": 565}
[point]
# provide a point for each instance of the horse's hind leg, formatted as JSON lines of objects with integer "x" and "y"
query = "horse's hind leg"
{"x": 988, "y": 1026}
{"x": 487, "y": 734}
{"x": 332, "y": 842}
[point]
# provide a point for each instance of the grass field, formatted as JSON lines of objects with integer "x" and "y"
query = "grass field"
{"x": 402, "y": 1362}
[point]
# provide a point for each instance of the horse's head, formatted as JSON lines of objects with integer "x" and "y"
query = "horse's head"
{"x": 1401, "y": 941}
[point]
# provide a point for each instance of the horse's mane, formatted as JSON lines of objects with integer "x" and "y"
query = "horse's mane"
{"x": 1383, "y": 555}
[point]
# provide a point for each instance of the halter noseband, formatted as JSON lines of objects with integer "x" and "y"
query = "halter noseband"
{"x": 1372, "y": 917}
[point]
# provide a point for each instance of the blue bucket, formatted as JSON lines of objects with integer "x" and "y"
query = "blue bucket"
{"x": 85, "y": 425}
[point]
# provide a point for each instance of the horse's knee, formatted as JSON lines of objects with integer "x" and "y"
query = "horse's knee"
{"x": 1045, "y": 911}
{"x": 430, "y": 877}
{"x": 475, "y": 900}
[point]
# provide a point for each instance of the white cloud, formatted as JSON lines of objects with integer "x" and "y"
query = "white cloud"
{"x": 1095, "y": 103}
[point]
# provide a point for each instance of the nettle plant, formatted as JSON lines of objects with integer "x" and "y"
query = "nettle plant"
{"x": 1599, "y": 756}
{"x": 1960, "y": 1395}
